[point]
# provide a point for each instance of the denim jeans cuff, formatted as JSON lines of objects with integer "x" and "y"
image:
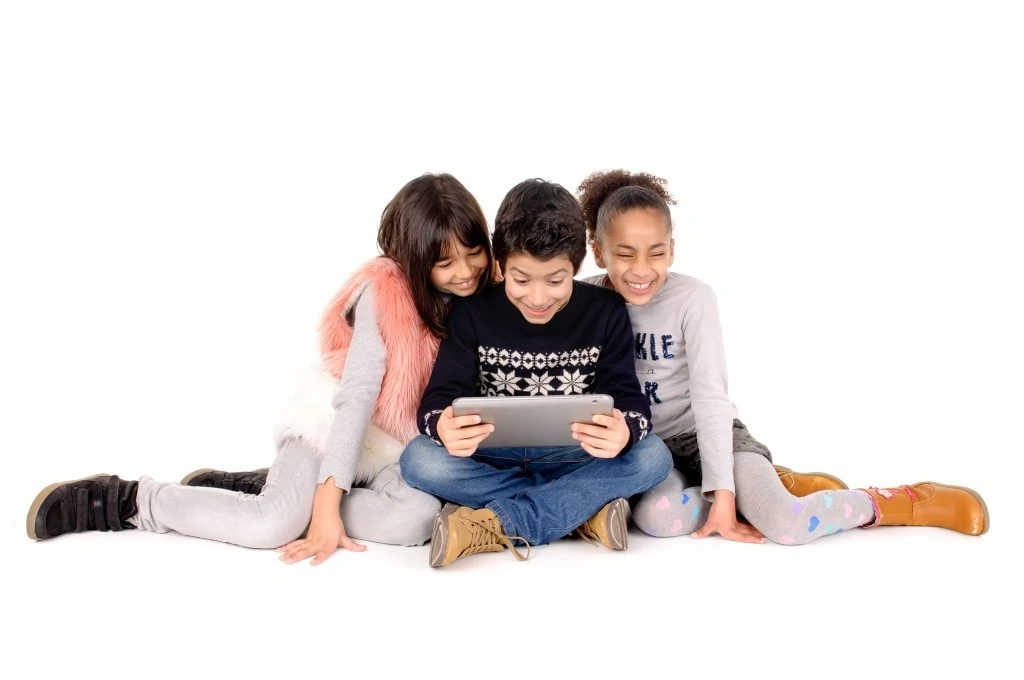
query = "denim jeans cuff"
{"x": 506, "y": 521}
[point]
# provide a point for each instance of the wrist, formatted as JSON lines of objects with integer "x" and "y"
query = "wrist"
{"x": 724, "y": 498}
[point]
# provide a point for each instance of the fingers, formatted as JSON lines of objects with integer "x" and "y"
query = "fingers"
{"x": 463, "y": 434}
{"x": 597, "y": 452}
{"x": 587, "y": 430}
{"x": 467, "y": 447}
{"x": 303, "y": 549}
{"x": 348, "y": 544}
{"x": 741, "y": 533}
{"x": 296, "y": 551}
{"x": 471, "y": 432}
{"x": 617, "y": 416}
{"x": 753, "y": 531}
{"x": 598, "y": 441}
{"x": 741, "y": 536}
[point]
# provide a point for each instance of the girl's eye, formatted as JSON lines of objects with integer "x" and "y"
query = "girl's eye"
{"x": 521, "y": 283}
{"x": 556, "y": 283}
{"x": 476, "y": 251}
{"x": 444, "y": 265}
{"x": 624, "y": 256}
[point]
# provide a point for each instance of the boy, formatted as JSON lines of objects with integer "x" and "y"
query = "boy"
{"x": 538, "y": 332}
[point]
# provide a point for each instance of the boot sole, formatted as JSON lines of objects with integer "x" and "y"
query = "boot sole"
{"x": 617, "y": 525}
{"x": 977, "y": 497}
{"x": 195, "y": 473}
{"x": 439, "y": 535}
{"x": 33, "y": 510}
{"x": 833, "y": 478}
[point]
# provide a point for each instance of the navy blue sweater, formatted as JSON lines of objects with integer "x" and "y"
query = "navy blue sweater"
{"x": 586, "y": 348}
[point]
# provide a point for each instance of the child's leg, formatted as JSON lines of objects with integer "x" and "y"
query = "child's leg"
{"x": 473, "y": 481}
{"x": 278, "y": 515}
{"x": 789, "y": 520}
{"x": 389, "y": 511}
{"x": 579, "y": 487}
{"x": 671, "y": 508}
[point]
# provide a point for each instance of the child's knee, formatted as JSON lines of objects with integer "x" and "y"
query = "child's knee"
{"x": 645, "y": 516}
{"x": 651, "y": 460}
{"x": 425, "y": 464}
{"x": 662, "y": 515}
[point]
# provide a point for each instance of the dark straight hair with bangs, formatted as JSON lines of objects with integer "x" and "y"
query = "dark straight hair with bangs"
{"x": 417, "y": 229}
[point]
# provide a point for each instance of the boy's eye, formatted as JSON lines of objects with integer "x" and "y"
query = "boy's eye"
{"x": 556, "y": 283}
{"x": 625, "y": 256}
{"x": 653, "y": 255}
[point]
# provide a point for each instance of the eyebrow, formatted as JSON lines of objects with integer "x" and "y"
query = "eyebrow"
{"x": 623, "y": 246}
{"x": 563, "y": 270}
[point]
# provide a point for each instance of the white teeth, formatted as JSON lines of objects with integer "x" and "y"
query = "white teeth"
{"x": 639, "y": 287}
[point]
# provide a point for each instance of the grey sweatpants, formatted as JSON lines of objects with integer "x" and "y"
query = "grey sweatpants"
{"x": 386, "y": 510}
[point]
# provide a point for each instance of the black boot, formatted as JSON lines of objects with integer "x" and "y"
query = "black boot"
{"x": 98, "y": 503}
{"x": 246, "y": 482}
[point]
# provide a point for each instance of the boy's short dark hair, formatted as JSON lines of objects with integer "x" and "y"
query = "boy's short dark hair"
{"x": 540, "y": 219}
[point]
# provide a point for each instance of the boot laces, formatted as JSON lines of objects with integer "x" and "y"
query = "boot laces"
{"x": 488, "y": 533}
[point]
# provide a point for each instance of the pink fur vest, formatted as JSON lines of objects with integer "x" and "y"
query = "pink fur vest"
{"x": 411, "y": 348}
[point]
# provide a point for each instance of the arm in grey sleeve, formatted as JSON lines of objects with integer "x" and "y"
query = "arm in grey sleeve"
{"x": 357, "y": 396}
{"x": 709, "y": 394}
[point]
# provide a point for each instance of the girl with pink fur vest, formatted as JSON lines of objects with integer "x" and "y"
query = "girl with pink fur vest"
{"x": 341, "y": 437}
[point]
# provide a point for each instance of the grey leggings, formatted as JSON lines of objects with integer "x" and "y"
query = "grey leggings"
{"x": 387, "y": 510}
{"x": 674, "y": 509}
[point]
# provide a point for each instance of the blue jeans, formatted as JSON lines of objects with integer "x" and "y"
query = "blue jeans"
{"x": 540, "y": 494}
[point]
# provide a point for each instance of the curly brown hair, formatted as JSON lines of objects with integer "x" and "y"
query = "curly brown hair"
{"x": 607, "y": 193}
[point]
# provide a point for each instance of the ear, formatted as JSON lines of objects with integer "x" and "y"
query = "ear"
{"x": 671, "y": 252}
{"x": 598, "y": 256}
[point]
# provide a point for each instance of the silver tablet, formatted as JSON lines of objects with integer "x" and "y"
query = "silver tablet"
{"x": 533, "y": 421}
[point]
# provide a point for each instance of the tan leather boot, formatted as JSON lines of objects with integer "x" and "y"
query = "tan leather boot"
{"x": 608, "y": 526}
{"x": 930, "y": 504}
{"x": 805, "y": 483}
{"x": 460, "y": 531}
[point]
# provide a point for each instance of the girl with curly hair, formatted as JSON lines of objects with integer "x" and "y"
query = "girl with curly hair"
{"x": 722, "y": 472}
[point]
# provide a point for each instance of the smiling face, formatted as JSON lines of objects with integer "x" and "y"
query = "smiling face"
{"x": 539, "y": 289}
{"x": 460, "y": 271}
{"x": 636, "y": 249}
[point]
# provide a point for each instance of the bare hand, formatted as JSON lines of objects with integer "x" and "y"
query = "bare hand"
{"x": 461, "y": 435}
{"x": 722, "y": 521}
{"x": 326, "y": 530}
{"x": 606, "y": 438}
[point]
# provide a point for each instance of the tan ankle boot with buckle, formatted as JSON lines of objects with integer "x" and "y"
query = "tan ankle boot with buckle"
{"x": 806, "y": 483}
{"x": 930, "y": 504}
{"x": 460, "y": 531}
{"x": 608, "y": 526}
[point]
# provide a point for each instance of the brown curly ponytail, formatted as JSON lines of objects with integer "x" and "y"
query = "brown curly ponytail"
{"x": 607, "y": 193}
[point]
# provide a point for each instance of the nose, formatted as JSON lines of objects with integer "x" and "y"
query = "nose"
{"x": 463, "y": 270}
{"x": 537, "y": 297}
{"x": 641, "y": 266}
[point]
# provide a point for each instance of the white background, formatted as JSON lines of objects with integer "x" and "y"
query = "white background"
{"x": 184, "y": 185}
